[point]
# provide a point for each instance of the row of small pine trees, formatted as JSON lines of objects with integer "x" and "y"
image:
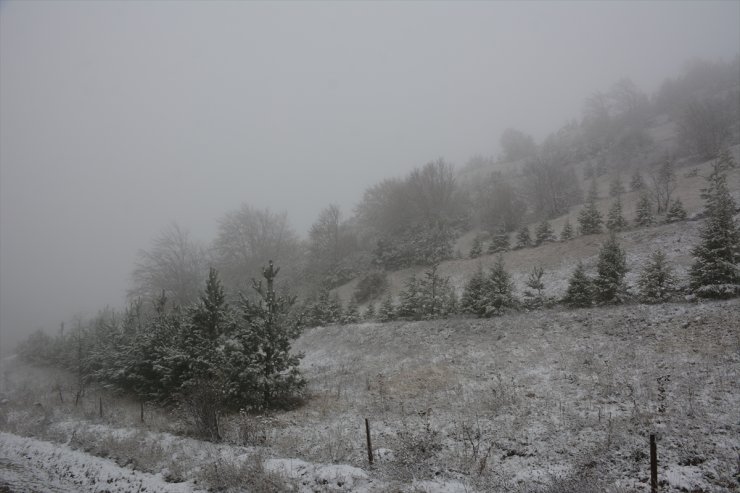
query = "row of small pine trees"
{"x": 203, "y": 358}
{"x": 715, "y": 273}
{"x": 590, "y": 222}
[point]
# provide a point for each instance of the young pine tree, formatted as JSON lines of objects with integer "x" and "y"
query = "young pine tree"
{"x": 437, "y": 298}
{"x": 656, "y": 282}
{"x": 676, "y": 212}
{"x": 266, "y": 331}
{"x": 534, "y": 298}
{"x": 580, "y": 291}
{"x": 473, "y": 298}
{"x": 644, "y": 213}
{"x": 543, "y": 233}
{"x": 715, "y": 272}
{"x": 615, "y": 221}
{"x": 499, "y": 291}
{"x": 523, "y": 238}
{"x": 351, "y": 313}
{"x": 387, "y": 310}
{"x": 369, "y": 314}
{"x": 410, "y": 300}
{"x": 609, "y": 285}
{"x": 589, "y": 219}
{"x": 500, "y": 242}
{"x": 567, "y": 233}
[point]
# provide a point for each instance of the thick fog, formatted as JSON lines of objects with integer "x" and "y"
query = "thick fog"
{"x": 118, "y": 118}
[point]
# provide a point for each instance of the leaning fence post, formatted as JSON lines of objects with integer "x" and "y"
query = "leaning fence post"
{"x": 142, "y": 411}
{"x": 653, "y": 465}
{"x": 369, "y": 443}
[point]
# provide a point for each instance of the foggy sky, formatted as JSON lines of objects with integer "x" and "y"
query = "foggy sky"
{"x": 119, "y": 118}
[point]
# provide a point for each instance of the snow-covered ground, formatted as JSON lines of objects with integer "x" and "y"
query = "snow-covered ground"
{"x": 517, "y": 403}
{"x": 27, "y": 464}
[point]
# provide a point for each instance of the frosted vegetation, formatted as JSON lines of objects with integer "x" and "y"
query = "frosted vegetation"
{"x": 501, "y": 329}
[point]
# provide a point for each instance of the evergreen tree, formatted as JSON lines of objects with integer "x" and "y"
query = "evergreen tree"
{"x": 387, "y": 311}
{"x": 544, "y": 233}
{"x": 644, "y": 213}
{"x": 589, "y": 219}
{"x": 499, "y": 243}
{"x": 264, "y": 335}
{"x": 437, "y": 296}
{"x": 567, "y": 232}
{"x": 523, "y": 239}
{"x": 352, "y": 313}
{"x": 534, "y": 282}
{"x": 715, "y": 272}
{"x": 409, "y": 300}
{"x": 615, "y": 220}
{"x": 334, "y": 309}
{"x": 637, "y": 183}
{"x": 477, "y": 248}
{"x": 656, "y": 281}
{"x": 580, "y": 291}
{"x": 210, "y": 315}
{"x": 499, "y": 289}
{"x": 473, "y": 298}
{"x": 609, "y": 285}
{"x": 369, "y": 314}
{"x": 676, "y": 212}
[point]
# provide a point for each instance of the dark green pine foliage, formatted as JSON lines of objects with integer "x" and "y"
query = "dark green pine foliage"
{"x": 609, "y": 285}
{"x": 387, "y": 310}
{"x": 523, "y": 238}
{"x": 210, "y": 315}
{"x": 409, "y": 300}
{"x": 543, "y": 233}
{"x": 473, "y": 300}
{"x": 676, "y": 212}
{"x": 477, "y": 248}
{"x": 656, "y": 282}
{"x": 430, "y": 297}
{"x": 580, "y": 291}
{"x": 644, "y": 213}
{"x": 567, "y": 233}
{"x": 499, "y": 291}
{"x": 589, "y": 219}
{"x": 535, "y": 298}
{"x": 715, "y": 272}
{"x": 351, "y": 314}
{"x": 268, "y": 374}
{"x": 334, "y": 309}
{"x": 615, "y": 220}
{"x": 438, "y": 298}
{"x": 499, "y": 242}
{"x": 369, "y": 314}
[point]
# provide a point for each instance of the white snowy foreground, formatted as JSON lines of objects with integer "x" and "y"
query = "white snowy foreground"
{"x": 27, "y": 464}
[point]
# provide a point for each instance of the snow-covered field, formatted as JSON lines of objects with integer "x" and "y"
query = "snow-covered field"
{"x": 559, "y": 399}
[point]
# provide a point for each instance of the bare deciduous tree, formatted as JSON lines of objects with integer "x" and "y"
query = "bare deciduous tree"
{"x": 249, "y": 237}
{"x": 173, "y": 265}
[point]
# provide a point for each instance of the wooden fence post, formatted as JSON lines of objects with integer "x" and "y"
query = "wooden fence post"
{"x": 369, "y": 443}
{"x": 653, "y": 465}
{"x": 142, "y": 411}
{"x": 101, "y": 405}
